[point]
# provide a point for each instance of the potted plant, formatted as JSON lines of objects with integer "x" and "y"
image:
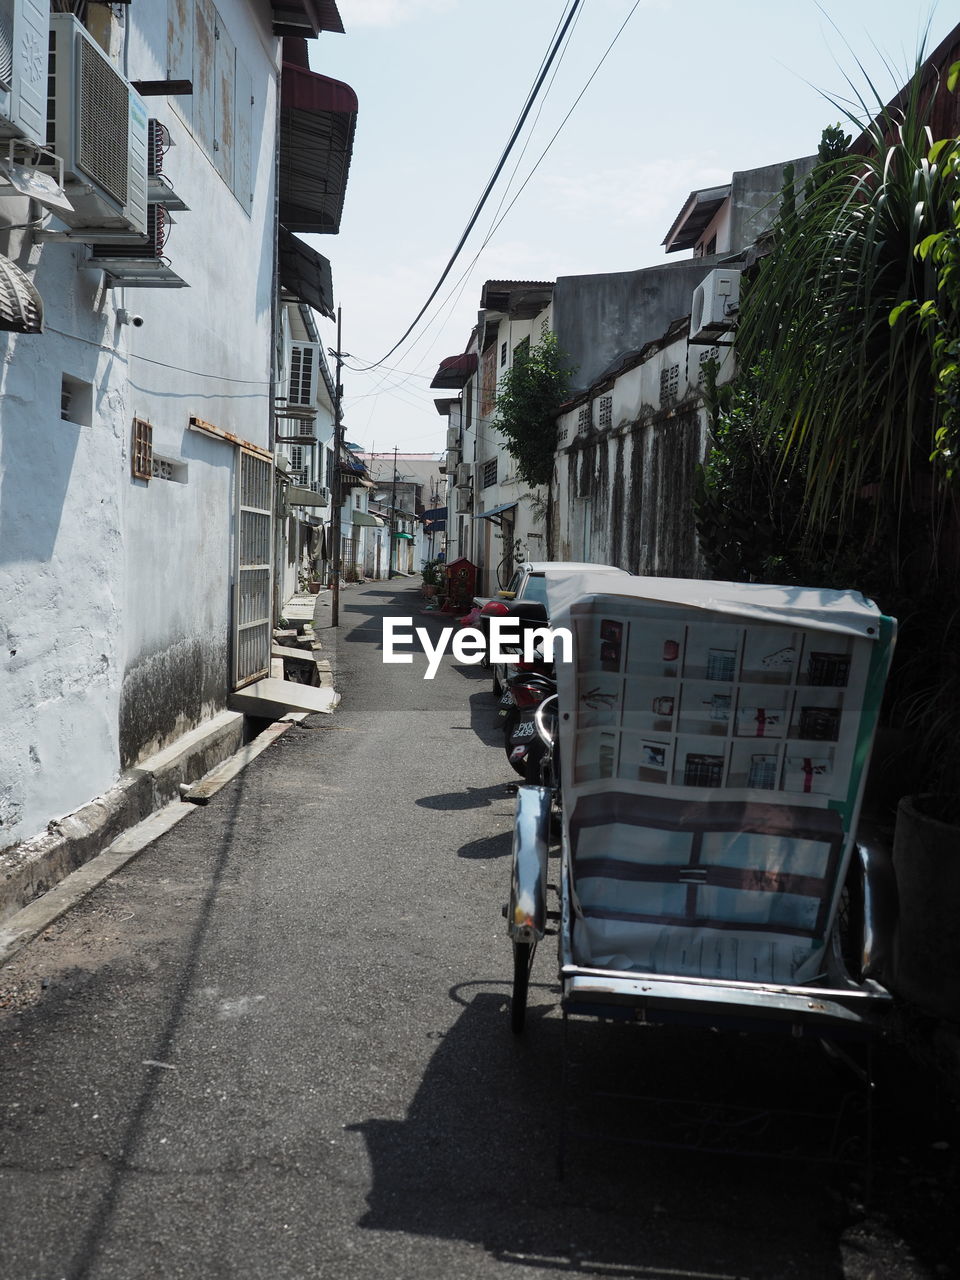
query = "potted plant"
{"x": 926, "y": 846}
{"x": 308, "y": 583}
{"x": 432, "y": 574}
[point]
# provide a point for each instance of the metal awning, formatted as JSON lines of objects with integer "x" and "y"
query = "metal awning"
{"x": 496, "y": 511}
{"x": 21, "y": 307}
{"x": 366, "y": 518}
{"x": 407, "y": 537}
{"x": 434, "y": 513}
{"x": 318, "y": 117}
{"x": 454, "y": 371}
{"x": 305, "y": 17}
{"x": 301, "y": 495}
{"x": 306, "y": 274}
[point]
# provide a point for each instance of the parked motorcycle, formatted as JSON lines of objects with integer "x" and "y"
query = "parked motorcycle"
{"x": 532, "y": 686}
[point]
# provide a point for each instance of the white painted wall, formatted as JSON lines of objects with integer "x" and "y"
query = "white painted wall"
{"x": 113, "y": 589}
{"x": 652, "y": 445}
{"x": 488, "y": 547}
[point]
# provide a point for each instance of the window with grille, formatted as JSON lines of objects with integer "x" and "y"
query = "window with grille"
{"x": 489, "y": 474}
{"x": 141, "y": 458}
{"x": 252, "y": 592}
{"x": 488, "y": 381}
{"x": 585, "y": 418}
{"x": 605, "y": 411}
{"x": 503, "y": 354}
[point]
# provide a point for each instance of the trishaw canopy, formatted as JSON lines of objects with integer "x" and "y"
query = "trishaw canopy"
{"x": 714, "y": 739}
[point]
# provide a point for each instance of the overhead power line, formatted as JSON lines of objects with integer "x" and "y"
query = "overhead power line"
{"x": 528, "y": 106}
{"x": 499, "y": 216}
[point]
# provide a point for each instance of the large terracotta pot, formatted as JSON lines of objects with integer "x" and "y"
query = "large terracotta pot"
{"x": 926, "y": 859}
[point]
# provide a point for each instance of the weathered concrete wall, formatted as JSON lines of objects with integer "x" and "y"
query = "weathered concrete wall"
{"x": 755, "y": 199}
{"x": 599, "y": 318}
{"x": 115, "y": 593}
{"x": 624, "y": 477}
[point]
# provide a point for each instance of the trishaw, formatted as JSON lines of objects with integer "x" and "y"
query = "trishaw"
{"x": 713, "y": 740}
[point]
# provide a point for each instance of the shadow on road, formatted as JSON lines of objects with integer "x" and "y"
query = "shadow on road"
{"x": 492, "y": 847}
{"x": 472, "y": 798}
{"x": 475, "y": 1159}
{"x": 647, "y": 1118}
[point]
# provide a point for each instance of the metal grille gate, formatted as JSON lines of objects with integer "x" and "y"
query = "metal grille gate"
{"x": 252, "y": 593}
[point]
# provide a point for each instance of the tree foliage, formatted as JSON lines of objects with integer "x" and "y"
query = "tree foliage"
{"x": 528, "y": 398}
{"x": 843, "y": 386}
{"x": 834, "y": 457}
{"x": 752, "y": 512}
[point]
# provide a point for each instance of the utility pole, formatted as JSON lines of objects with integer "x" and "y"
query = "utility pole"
{"x": 336, "y": 487}
{"x": 393, "y": 516}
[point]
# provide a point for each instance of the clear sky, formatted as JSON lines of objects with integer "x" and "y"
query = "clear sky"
{"x": 691, "y": 91}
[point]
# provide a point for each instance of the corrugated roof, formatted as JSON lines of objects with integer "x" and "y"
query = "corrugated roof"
{"x": 318, "y": 117}
{"x": 305, "y": 17}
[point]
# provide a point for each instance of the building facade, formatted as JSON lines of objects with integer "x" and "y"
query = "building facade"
{"x": 152, "y": 299}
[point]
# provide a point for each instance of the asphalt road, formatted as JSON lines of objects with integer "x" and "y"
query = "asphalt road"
{"x": 277, "y": 1045}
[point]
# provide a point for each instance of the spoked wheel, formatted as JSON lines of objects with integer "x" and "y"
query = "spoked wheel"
{"x": 522, "y": 964}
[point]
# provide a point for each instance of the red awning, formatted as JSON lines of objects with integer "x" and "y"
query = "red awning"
{"x": 305, "y": 17}
{"x": 454, "y": 371}
{"x": 318, "y": 118}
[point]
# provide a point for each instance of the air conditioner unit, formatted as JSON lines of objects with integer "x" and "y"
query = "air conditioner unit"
{"x": 138, "y": 264}
{"x": 464, "y": 475}
{"x": 464, "y": 501}
{"x": 24, "y": 37}
{"x": 159, "y": 187}
{"x": 716, "y": 301}
{"x": 453, "y": 437}
{"x": 158, "y": 224}
{"x": 158, "y": 144}
{"x": 97, "y": 125}
{"x": 303, "y": 383}
{"x": 452, "y": 459}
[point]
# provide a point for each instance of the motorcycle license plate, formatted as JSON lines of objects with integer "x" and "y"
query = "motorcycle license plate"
{"x": 525, "y": 729}
{"x": 506, "y": 698}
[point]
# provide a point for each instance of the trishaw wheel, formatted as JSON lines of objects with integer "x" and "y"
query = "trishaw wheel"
{"x": 522, "y": 964}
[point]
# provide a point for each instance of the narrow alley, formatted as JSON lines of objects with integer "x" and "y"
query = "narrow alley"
{"x": 277, "y": 1045}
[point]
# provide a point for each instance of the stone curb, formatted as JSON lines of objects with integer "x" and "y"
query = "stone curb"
{"x": 21, "y": 926}
{"x": 33, "y": 868}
